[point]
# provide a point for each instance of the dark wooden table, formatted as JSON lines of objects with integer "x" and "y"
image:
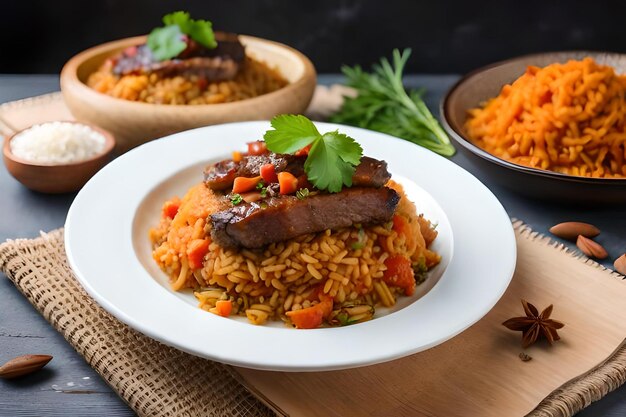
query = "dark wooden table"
{"x": 69, "y": 387}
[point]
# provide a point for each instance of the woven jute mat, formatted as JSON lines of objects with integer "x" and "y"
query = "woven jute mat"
{"x": 477, "y": 373}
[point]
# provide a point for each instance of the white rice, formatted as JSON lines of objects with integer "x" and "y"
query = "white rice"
{"x": 57, "y": 143}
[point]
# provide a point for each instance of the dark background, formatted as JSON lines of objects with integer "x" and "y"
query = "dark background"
{"x": 38, "y": 36}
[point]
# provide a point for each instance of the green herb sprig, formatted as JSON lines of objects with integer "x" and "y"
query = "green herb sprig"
{"x": 382, "y": 104}
{"x": 333, "y": 156}
{"x": 167, "y": 42}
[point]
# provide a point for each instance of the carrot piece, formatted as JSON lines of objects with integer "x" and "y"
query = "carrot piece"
{"x": 257, "y": 148}
{"x": 245, "y": 184}
{"x": 196, "y": 250}
{"x": 311, "y": 317}
{"x": 288, "y": 183}
{"x": 268, "y": 173}
{"x": 251, "y": 196}
{"x": 237, "y": 157}
{"x": 400, "y": 274}
{"x": 222, "y": 308}
{"x": 170, "y": 208}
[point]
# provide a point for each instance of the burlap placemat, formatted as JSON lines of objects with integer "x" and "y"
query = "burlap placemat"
{"x": 154, "y": 379}
{"x": 158, "y": 380}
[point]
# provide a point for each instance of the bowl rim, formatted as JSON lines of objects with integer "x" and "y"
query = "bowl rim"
{"x": 69, "y": 75}
{"x": 109, "y": 145}
{"x": 461, "y": 139}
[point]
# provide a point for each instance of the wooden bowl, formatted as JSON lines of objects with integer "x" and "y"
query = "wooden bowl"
{"x": 482, "y": 84}
{"x": 134, "y": 123}
{"x": 56, "y": 178}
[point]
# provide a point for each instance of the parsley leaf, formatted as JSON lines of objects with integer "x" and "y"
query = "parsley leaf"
{"x": 291, "y": 133}
{"x": 302, "y": 193}
{"x": 236, "y": 199}
{"x": 332, "y": 161}
{"x": 201, "y": 31}
{"x": 333, "y": 156}
{"x": 166, "y": 42}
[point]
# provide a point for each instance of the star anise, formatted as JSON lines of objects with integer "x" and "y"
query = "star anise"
{"x": 534, "y": 325}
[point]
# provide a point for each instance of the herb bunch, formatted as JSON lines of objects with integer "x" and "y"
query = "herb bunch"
{"x": 382, "y": 104}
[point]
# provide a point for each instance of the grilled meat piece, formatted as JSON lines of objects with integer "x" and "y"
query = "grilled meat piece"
{"x": 220, "y": 176}
{"x": 253, "y": 225}
{"x": 218, "y": 64}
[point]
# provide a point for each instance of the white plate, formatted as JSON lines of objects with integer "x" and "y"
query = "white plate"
{"x": 106, "y": 238}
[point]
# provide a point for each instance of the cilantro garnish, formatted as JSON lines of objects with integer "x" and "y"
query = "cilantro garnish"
{"x": 236, "y": 199}
{"x": 333, "y": 156}
{"x": 168, "y": 41}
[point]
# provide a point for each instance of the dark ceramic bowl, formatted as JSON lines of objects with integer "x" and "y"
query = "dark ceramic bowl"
{"x": 485, "y": 83}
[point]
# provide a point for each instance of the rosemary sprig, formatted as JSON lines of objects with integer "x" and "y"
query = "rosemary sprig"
{"x": 382, "y": 104}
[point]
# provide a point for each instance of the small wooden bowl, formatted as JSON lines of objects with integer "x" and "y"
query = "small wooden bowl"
{"x": 56, "y": 178}
{"x": 134, "y": 123}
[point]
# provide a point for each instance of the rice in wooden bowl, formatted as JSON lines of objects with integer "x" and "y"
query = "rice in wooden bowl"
{"x": 276, "y": 79}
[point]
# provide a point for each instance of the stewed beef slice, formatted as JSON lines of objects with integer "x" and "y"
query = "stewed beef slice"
{"x": 253, "y": 225}
{"x": 217, "y": 64}
{"x": 220, "y": 176}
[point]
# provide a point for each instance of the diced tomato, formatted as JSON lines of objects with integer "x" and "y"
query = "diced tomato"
{"x": 196, "y": 250}
{"x": 288, "y": 183}
{"x": 400, "y": 274}
{"x": 170, "y": 208}
{"x": 303, "y": 182}
{"x": 304, "y": 151}
{"x": 257, "y": 148}
{"x": 202, "y": 83}
{"x": 131, "y": 51}
{"x": 223, "y": 308}
{"x": 311, "y": 317}
{"x": 245, "y": 184}
{"x": 268, "y": 173}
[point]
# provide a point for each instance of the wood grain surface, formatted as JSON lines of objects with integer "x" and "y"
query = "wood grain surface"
{"x": 477, "y": 373}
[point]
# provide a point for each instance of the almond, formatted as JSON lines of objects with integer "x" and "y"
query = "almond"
{"x": 571, "y": 230}
{"x": 591, "y": 248}
{"x": 23, "y": 365}
{"x": 620, "y": 264}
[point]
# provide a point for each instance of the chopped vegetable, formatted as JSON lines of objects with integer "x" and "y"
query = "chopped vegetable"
{"x": 268, "y": 173}
{"x": 311, "y": 317}
{"x": 382, "y": 104}
{"x": 288, "y": 183}
{"x": 360, "y": 243}
{"x": 236, "y": 199}
{"x": 332, "y": 158}
{"x": 399, "y": 273}
{"x": 222, "y": 308}
{"x": 252, "y": 196}
{"x": 169, "y": 41}
{"x": 304, "y": 151}
{"x": 302, "y": 193}
{"x": 245, "y": 184}
{"x": 170, "y": 208}
{"x": 196, "y": 250}
{"x": 237, "y": 157}
{"x": 257, "y": 148}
